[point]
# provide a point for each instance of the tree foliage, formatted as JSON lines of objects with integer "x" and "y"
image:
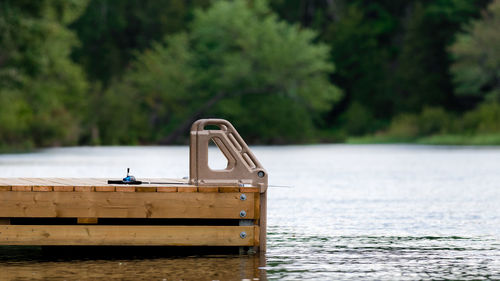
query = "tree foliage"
{"x": 41, "y": 89}
{"x": 476, "y": 51}
{"x": 112, "y": 32}
{"x": 391, "y": 56}
{"x": 423, "y": 78}
{"x": 130, "y": 71}
{"x": 237, "y": 61}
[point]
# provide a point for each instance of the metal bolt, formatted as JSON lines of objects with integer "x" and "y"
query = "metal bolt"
{"x": 243, "y": 197}
{"x": 243, "y": 235}
{"x": 243, "y": 213}
{"x": 260, "y": 174}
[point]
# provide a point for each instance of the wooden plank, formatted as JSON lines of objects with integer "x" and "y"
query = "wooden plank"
{"x": 79, "y": 185}
{"x": 96, "y": 182}
{"x": 263, "y": 222}
{"x": 5, "y": 182}
{"x": 249, "y": 189}
{"x": 187, "y": 189}
{"x": 145, "y": 189}
{"x": 18, "y": 184}
{"x": 84, "y": 188}
{"x": 5, "y": 188}
{"x": 125, "y": 188}
{"x": 58, "y": 181}
{"x": 171, "y": 181}
{"x": 166, "y": 189}
{"x": 98, "y": 185}
{"x": 82, "y": 182}
{"x": 54, "y": 182}
{"x": 104, "y": 188}
{"x": 125, "y": 205}
{"x": 61, "y": 185}
{"x": 19, "y": 181}
{"x": 226, "y": 189}
{"x": 39, "y": 188}
{"x": 69, "y": 182}
{"x": 208, "y": 189}
{"x": 256, "y": 235}
{"x": 44, "y": 181}
{"x": 256, "y": 206}
{"x": 64, "y": 188}
{"x": 38, "y": 181}
{"x": 70, "y": 235}
{"x": 38, "y": 184}
{"x": 21, "y": 188}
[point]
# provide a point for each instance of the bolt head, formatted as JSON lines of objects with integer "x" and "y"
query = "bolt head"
{"x": 243, "y": 235}
{"x": 243, "y": 213}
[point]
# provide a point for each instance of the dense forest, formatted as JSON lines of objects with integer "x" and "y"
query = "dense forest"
{"x": 106, "y": 72}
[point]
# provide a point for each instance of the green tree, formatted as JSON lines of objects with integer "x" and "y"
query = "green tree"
{"x": 238, "y": 61}
{"x": 359, "y": 34}
{"x": 476, "y": 52}
{"x": 390, "y": 55}
{"x": 41, "y": 89}
{"x": 361, "y": 59}
{"x": 422, "y": 78}
{"x": 112, "y": 32}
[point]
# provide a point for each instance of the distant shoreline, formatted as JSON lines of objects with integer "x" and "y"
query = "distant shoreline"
{"x": 476, "y": 140}
{"x": 448, "y": 139}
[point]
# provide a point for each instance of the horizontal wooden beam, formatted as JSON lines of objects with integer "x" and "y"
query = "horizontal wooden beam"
{"x": 126, "y": 205}
{"x": 101, "y": 235}
{"x": 101, "y": 185}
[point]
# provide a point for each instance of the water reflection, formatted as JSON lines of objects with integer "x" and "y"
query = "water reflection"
{"x": 381, "y": 257}
{"x": 34, "y": 263}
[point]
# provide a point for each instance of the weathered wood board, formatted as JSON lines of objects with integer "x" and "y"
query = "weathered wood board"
{"x": 96, "y": 235}
{"x": 101, "y": 185}
{"x": 126, "y": 205}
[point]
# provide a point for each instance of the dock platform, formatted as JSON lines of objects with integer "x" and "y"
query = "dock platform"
{"x": 212, "y": 208}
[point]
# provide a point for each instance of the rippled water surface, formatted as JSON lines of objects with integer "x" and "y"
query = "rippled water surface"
{"x": 352, "y": 212}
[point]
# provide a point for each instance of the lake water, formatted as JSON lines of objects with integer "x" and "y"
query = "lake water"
{"x": 371, "y": 212}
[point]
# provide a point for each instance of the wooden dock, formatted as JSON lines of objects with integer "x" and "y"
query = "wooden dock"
{"x": 212, "y": 208}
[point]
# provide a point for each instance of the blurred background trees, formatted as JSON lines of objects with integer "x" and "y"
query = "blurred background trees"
{"x": 476, "y": 69}
{"x": 42, "y": 91}
{"x": 284, "y": 71}
{"x": 234, "y": 61}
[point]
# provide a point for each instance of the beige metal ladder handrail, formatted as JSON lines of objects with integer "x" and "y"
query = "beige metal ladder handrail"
{"x": 243, "y": 167}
